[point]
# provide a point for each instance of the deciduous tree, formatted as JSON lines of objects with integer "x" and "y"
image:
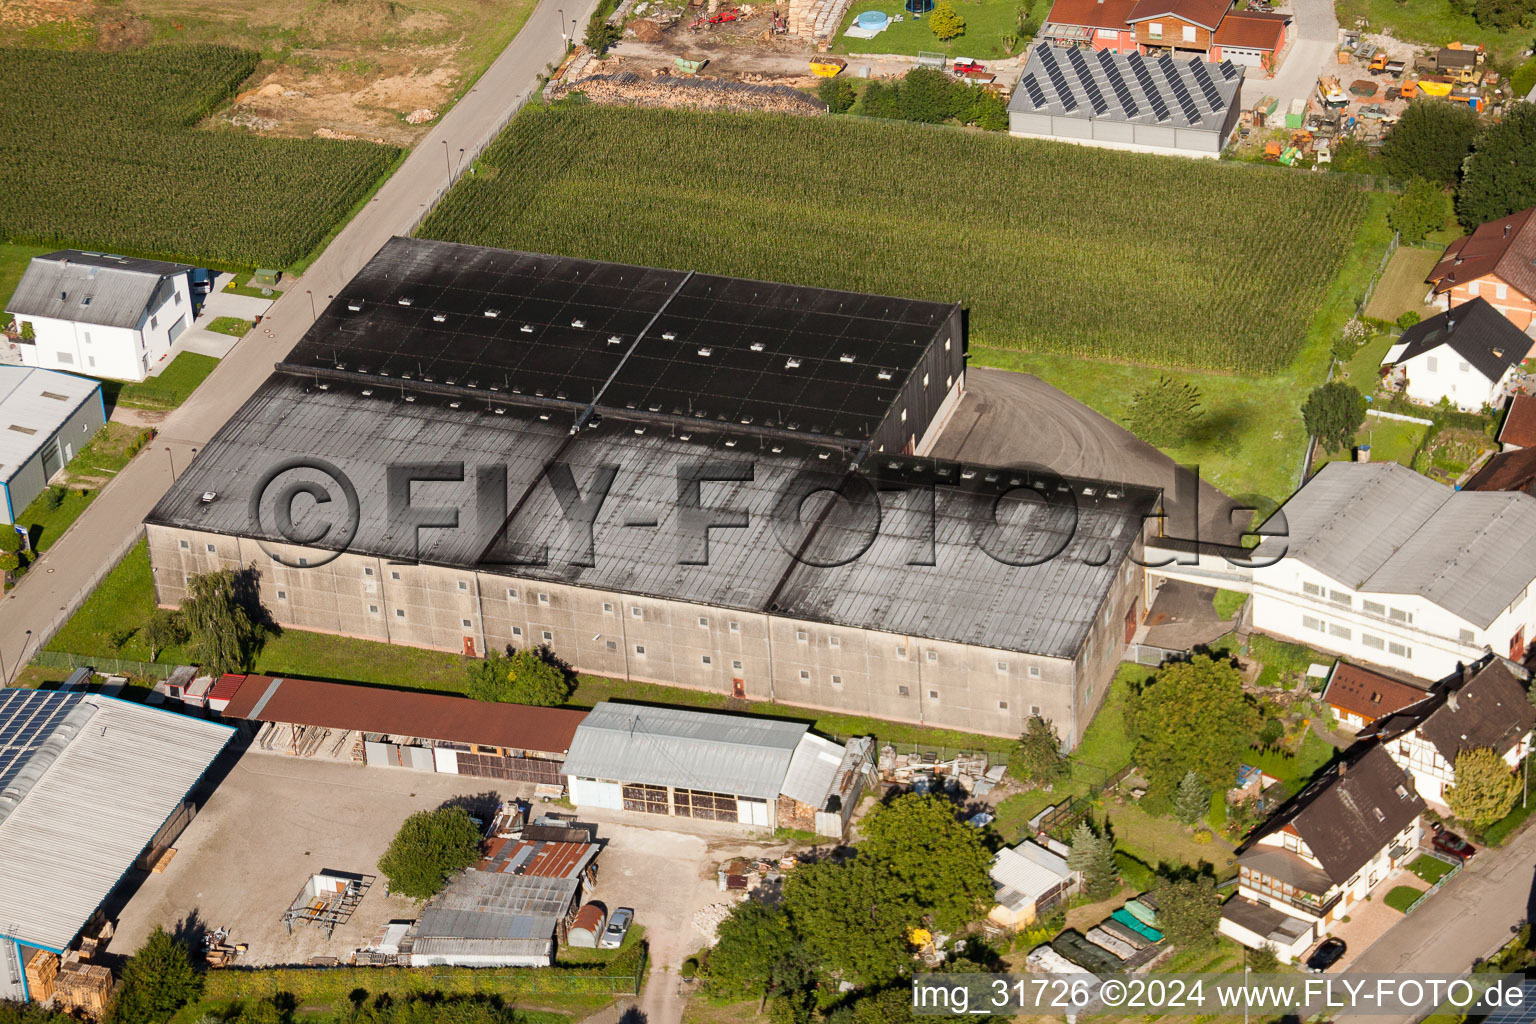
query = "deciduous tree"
{"x": 1164, "y": 411}
{"x": 1500, "y": 175}
{"x": 429, "y": 848}
{"x": 1485, "y": 789}
{"x": 1422, "y": 208}
{"x": 931, "y": 861}
{"x": 756, "y": 955}
{"x": 1038, "y": 754}
{"x": 222, "y": 636}
{"x": 1431, "y": 141}
{"x": 838, "y": 94}
{"x": 157, "y": 981}
{"x": 1332, "y": 413}
{"x": 519, "y": 677}
{"x": 1188, "y": 911}
{"x": 849, "y": 921}
{"x": 165, "y": 628}
{"x": 1192, "y": 716}
{"x": 945, "y": 22}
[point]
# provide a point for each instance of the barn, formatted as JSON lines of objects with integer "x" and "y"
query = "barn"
{"x": 1127, "y": 101}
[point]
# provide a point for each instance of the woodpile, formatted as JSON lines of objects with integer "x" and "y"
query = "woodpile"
{"x": 42, "y": 970}
{"x": 626, "y": 88}
{"x": 84, "y": 988}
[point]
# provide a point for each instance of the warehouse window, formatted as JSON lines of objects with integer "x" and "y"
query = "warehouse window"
{"x": 1398, "y": 615}
{"x": 1034, "y": 671}
{"x": 735, "y": 627}
{"x": 211, "y": 549}
{"x": 1342, "y": 632}
{"x": 511, "y": 593}
{"x": 548, "y": 637}
{"x": 635, "y": 612}
{"x": 805, "y": 676}
{"x": 704, "y": 621}
{"x": 543, "y": 599}
{"x": 1311, "y": 622}
{"x": 367, "y": 570}
{"x": 399, "y": 613}
{"x": 650, "y": 799}
{"x": 1401, "y": 650}
{"x": 463, "y": 585}
{"x": 1339, "y": 597}
{"x": 736, "y": 665}
{"x": 517, "y": 630}
{"x": 800, "y": 636}
{"x": 1002, "y": 705}
{"x": 394, "y": 575}
{"x": 833, "y": 641}
{"x": 706, "y": 659}
{"x": 640, "y": 650}
{"x": 607, "y": 608}
{"x": 693, "y": 803}
{"x": 373, "y": 609}
{"x": 282, "y": 595}
{"x": 303, "y": 561}
{"x": 1002, "y": 666}
{"x": 1466, "y": 636}
{"x": 1034, "y": 710}
{"x": 612, "y": 645}
{"x": 1375, "y": 608}
{"x": 1311, "y": 588}
{"x": 1375, "y": 643}
{"x": 837, "y": 680}
{"x": 903, "y": 691}
{"x": 184, "y": 545}
{"x": 933, "y": 694}
{"x": 933, "y": 656}
{"x": 465, "y": 623}
{"x": 901, "y": 652}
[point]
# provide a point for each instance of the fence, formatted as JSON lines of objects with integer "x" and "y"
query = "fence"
{"x": 1149, "y": 655}
{"x": 336, "y": 984}
{"x": 1399, "y": 417}
{"x": 1061, "y": 819}
{"x": 1456, "y": 865}
{"x": 1381, "y": 268}
{"x": 67, "y": 608}
{"x": 103, "y": 666}
{"x": 471, "y": 154}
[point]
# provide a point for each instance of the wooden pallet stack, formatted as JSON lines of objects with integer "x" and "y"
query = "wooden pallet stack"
{"x": 83, "y": 987}
{"x": 42, "y": 969}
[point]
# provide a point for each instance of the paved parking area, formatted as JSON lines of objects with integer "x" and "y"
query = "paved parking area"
{"x": 272, "y": 823}
{"x": 1370, "y": 921}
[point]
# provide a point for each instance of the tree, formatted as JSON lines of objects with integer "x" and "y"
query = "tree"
{"x": 930, "y": 860}
{"x": 429, "y": 848}
{"x": 849, "y": 923}
{"x": 1193, "y": 799}
{"x": 1485, "y": 789}
{"x": 1164, "y": 411}
{"x": 881, "y": 99}
{"x": 1263, "y": 960}
{"x": 1504, "y": 15}
{"x": 1038, "y": 755}
{"x": 221, "y": 635}
{"x": 1192, "y": 716}
{"x": 1422, "y": 208}
{"x": 158, "y": 980}
{"x": 838, "y": 94}
{"x": 1188, "y": 911}
{"x": 1431, "y": 141}
{"x": 945, "y": 21}
{"x": 928, "y": 96}
{"x": 520, "y": 677}
{"x": 1332, "y": 413}
{"x": 1500, "y": 175}
{"x": 756, "y": 955}
{"x": 165, "y": 629}
{"x": 1093, "y": 855}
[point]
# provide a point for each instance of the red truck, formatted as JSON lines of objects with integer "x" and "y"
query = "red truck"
{"x": 967, "y": 66}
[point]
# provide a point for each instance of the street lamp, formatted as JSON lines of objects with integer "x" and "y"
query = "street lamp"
{"x": 21, "y": 659}
{"x": 447, "y": 163}
{"x": 565, "y": 40}
{"x": 172, "y": 459}
{"x": 312, "y": 314}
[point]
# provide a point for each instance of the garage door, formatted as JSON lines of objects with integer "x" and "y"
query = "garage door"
{"x": 1239, "y": 55}
{"x": 53, "y": 461}
{"x": 177, "y": 327}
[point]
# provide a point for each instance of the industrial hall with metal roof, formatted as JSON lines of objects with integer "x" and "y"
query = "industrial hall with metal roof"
{"x": 625, "y": 465}
{"x": 89, "y": 787}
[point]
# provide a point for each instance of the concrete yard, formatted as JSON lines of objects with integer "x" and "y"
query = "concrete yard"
{"x": 272, "y": 823}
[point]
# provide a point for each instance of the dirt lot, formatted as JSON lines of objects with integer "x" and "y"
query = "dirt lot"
{"x": 373, "y": 69}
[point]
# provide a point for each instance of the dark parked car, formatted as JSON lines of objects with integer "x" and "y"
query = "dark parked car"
{"x": 618, "y": 924}
{"x": 1452, "y": 845}
{"x": 1325, "y": 955}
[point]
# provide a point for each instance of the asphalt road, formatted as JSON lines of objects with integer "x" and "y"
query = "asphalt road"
{"x": 1471, "y": 917}
{"x": 59, "y": 580}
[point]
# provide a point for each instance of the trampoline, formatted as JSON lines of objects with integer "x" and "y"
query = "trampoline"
{"x": 919, "y": 6}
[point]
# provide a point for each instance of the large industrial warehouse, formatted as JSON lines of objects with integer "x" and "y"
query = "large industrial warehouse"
{"x": 90, "y": 787}
{"x": 1127, "y": 101}
{"x": 613, "y": 460}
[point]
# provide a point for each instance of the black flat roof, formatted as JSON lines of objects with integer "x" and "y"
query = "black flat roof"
{"x": 667, "y": 343}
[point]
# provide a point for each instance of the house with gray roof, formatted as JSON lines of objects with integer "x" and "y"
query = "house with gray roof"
{"x": 1322, "y": 852}
{"x": 1387, "y": 567}
{"x": 103, "y": 315}
{"x": 45, "y": 418}
{"x": 1465, "y": 355}
{"x": 1127, "y": 101}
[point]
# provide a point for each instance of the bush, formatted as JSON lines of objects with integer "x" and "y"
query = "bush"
{"x": 1203, "y": 836}
{"x": 838, "y": 94}
{"x": 945, "y": 22}
{"x": 158, "y": 980}
{"x": 1135, "y": 872}
{"x": 690, "y": 968}
{"x": 1408, "y": 319}
{"x": 54, "y": 496}
{"x": 430, "y": 848}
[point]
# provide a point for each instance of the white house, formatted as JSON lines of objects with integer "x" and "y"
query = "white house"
{"x": 1321, "y": 853}
{"x": 1384, "y": 566}
{"x": 107, "y": 316}
{"x": 1466, "y": 354}
{"x": 1481, "y": 705}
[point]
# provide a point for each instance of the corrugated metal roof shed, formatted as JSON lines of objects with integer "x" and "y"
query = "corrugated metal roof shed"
{"x": 33, "y": 405}
{"x": 91, "y": 288}
{"x": 812, "y": 770}
{"x": 1128, "y": 88}
{"x": 78, "y": 821}
{"x": 1026, "y": 872}
{"x": 689, "y": 749}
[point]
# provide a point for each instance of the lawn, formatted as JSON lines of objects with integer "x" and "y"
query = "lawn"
{"x": 1434, "y": 22}
{"x": 169, "y": 389}
{"x": 986, "y": 22}
{"x": 1500, "y": 831}
{"x": 1228, "y": 603}
{"x": 230, "y": 325}
{"x": 1430, "y": 869}
{"x": 1283, "y": 663}
{"x": 90, "y": 470}
{"x": 1164, "y": 840}
{"x": 1009, "y": 238}
{"x": 1402, "y": 897}
{"x": 13, "y": 263}
{"x": 1250, "y": 439}
{"x": 240, "y": 284}
{"x": 1364, "y": 368}
{"x": 1402, "y": 286}
{"x": 1390, "y": 441}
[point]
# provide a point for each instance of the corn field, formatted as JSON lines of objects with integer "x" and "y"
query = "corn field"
{"x": 1051, "y": 247}
{"x": 101, "y": 151}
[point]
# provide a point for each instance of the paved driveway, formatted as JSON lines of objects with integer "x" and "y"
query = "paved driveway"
{"x": 1315, "y": 30}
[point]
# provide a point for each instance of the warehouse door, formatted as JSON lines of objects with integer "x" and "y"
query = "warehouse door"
{"x": 53, "y": 459}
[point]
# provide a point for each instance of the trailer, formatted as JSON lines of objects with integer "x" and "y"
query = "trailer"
{"x": 827, "y": 67}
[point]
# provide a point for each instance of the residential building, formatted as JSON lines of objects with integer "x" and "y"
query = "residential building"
{"x": 430, "y": 732}
{"x": 1482, "y": 705}
{"x": 1466, "y": 355}
{"x": 1496, "y": 263}
{"x": 108, "y": 316}
{"x": 1028, "y": 880}
{"x": 1519, "y": 427}
{"x": 1321, "y": 853}
{"x": 1512, "y": 470}
{"x": 90, "y": 788}
{"x": 1208, "y": 29}
{"x": 471, "y": 361}
{"x": 1357, "y": 696}
{"x": 1384, "y": 566}
{"x": 704, "y": 765}
{"x": 47, "y": 417}
{"x": 513, "y": 908}
{"x": 1126, "y": 101}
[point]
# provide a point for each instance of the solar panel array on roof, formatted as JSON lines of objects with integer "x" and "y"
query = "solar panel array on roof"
{"x": 1085, "y": 75}
{"x": 1207, "y": 87}
{"x": 1229, "y": 71}
{"x": 1117, "y": 83}
{"x": 27, "y": 719}
{"x": 1144, "y": 78}
{"x": 1036, "y": 94}
{"x": 1181, "y": 94}
{"x": 1058, "y": 80}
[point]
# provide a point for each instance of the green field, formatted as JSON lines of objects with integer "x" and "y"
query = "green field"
{"x": 13, "y": 263}
{"x": 986, "y": 22}
{"x": 99, "y": 150}
{"x": 1435, "y": 22}
{"x": 1051, "y": 247}
{"x": 1390, "y": 441}
{"x": 230, "y": 325}
{"x": 167, "y": 389}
